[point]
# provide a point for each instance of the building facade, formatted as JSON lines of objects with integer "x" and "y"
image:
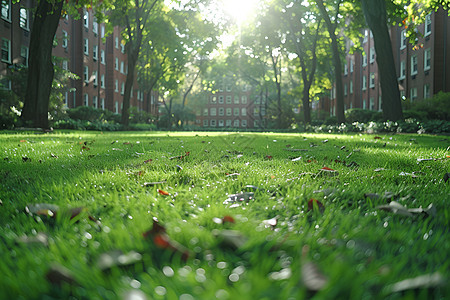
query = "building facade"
{"x": 232, "y": 105}
{"x": 82, "y": 47}
{"x": 422, "y": 67}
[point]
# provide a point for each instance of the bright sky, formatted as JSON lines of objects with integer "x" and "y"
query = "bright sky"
{"x": 239, "y": 10}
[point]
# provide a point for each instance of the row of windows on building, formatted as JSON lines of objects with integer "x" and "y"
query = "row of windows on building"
{"x": 414, "y": 64}
{"x": 24, "y": 18}
{"x": 235, "y": 100}
{"x": 6, "y": 53}
{"x": 236, "y": 111}
{"x": 228, "y": 123}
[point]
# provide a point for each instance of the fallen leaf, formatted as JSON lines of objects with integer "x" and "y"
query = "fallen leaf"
{"x": 160, "y": 238}
{"x": 313, "y": 279}
{"x": 26, "y": 159}
{"x": 296, "y": 150}
{"x": 23, "y": 141}
{"x": 53, "y": 155}
{"x": 180, "y": 156}
{"x": 230, "y": 238}
{"x": 228, "y": 219}
{"x": 420, "y": 282}
{"x": 395, "y": 208}
{"x": 162, "y": 192}
{"x": 147, "y": 161}
{"x": 116, "y": 258}
{"x": 58, "y": 275}
{"x": 38, "y": 239}
{"x": 42, "y": 209}
{"x": 268, "y": 157}
{"x": 315, "y": 203}
{"x": 242, "y": 197}
{"x": 153, "y": 183}
{"x": 377, "y": 138}
{"x": 272, "y": 223}
{"x": 296, "y": 159}
{"x": 379, "y": 169}
{"x": 85, "y": 148}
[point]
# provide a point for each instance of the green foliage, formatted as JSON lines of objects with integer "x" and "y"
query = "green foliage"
{"x": 359, "y": 115}
{"x": 435, "y": 108}
{"x": 89, "y": 113}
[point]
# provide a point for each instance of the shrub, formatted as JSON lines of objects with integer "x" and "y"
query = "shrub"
{"x": 360, "y": 115}
{"x": 89, "y": 113}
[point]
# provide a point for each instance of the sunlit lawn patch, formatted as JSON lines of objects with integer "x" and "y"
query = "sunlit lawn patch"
{"x": 223, "y": 215}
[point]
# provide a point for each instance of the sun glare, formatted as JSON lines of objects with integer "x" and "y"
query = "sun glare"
{"x": 239, "y": 10}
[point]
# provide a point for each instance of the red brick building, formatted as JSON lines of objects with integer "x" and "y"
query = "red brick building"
{"x": 233, "y": 105}
{"x": 422, "y": 67}
{"x": 81, "y": 46}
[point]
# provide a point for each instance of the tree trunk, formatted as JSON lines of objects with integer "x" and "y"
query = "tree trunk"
{"x": 336, "y": 63}
{"x": 375, "y": 14}
{"x": 132, "y": 60}
{"x": 40, "y": 70}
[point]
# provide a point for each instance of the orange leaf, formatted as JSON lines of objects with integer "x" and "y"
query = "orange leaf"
{"x": 312, "y": 202}
{"x": 147, "y": 161}
{"x": 162, "y": 192}
{"x": 23, "y": 141}
{"x": 327, "y": 169}
{"x": 228, "y": 219}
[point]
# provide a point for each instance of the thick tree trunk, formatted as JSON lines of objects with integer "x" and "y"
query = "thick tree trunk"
{"x": 336, "y": 63}
{"x": 40, "y": 70}
{"x": 375, "y": 14}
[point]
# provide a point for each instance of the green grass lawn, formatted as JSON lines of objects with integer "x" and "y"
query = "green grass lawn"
{"x": 161, "y": 217}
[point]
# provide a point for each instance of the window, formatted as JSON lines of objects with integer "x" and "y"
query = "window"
{"x": 236, "y": 99}
{"x": 95, "y": 101}
{"x": 86, "y": 19}
{"x": 371, "y": 104}
{"x": 256, "y": 123}
{"x": 122, "y": 48}
{"x": 24, "y": 19}
{"x": 345, "y": 69}
{"x": 255, "y": 112}
{"x": 102, "y": 31}
{"x": 228, "y": 111}
{"x": 351, "y": 86}
{"x": 5, "y": 84}
{"x": 122, "y": 88}
{"x": 95, "y": 26}
{"x": 86, "y": 74}
{"x": 6, "y": 10}
{"x": 426, "y": 91}
{"x": 403, "y": 39}
{"x": 66, "y": 99}
{"x": 116, "y": 42}
{"x": 236, "y": 111}
{"x": 364, "y": 104}
{"x": 221, "y": 111}
{"x": 244, "y": 123}
{"x": 65, "y": 65}
{"x": 236, "y": 123}
{"x": 205, "y": 112}
{"x": 366, "y": 36}
{"x": 244, "y": 99}
{"x": 402, "y": 70}
{"x": 364, "y": 59}
{"x": 102, "y": 81}
{"x": 102, "y": 103}
{"x": 220, "y": 123}
{"x": 413, "y": 94}
{"x": 263, "y": 111}
{"x": 24, "y": 56}
{"x": 94, "y": 75}
{"x": 86, "y": 46}
{"x": 351, "y": 65}
{"x": 220, "y": 99}
{"x": 379, "y": 103}
{"x": 121, "y": 67}
{"x": 95, "y": 52}
{"x": 213, "y": 123}
{"x": 228, "y": 100}
{"x": 213, "y": 100}
{"x": 6, "y": 50}
{"x": 213, "y": 111}
{"x": 345, "y": 89}
{"x": 86, "y": 100}
{"x": 116, "y": 64}
{"x": 205, "y": 123}
{"x": 221, "y": 86}
{"x": 414, "y": 65}
{"x": 427, "y": 59}
{"x": 116, "y": 86}
{"x": 102, "y": 56}
{"x": 228, "y": 123}
{"x": 116, "y": 107}
{"x": 372, "y": 55}
{"x": 372, "y": 80}
{"x": 228, "y": 87}
{"x": 243, "y": 111}
{"x": 65, "y": 40}
{"x": 364, "y": 82}
{"x": 427, "y": 25}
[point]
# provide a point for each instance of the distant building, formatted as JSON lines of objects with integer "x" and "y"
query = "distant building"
{"x": 233, "y": 105}
{"x": 422, "y": 68}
